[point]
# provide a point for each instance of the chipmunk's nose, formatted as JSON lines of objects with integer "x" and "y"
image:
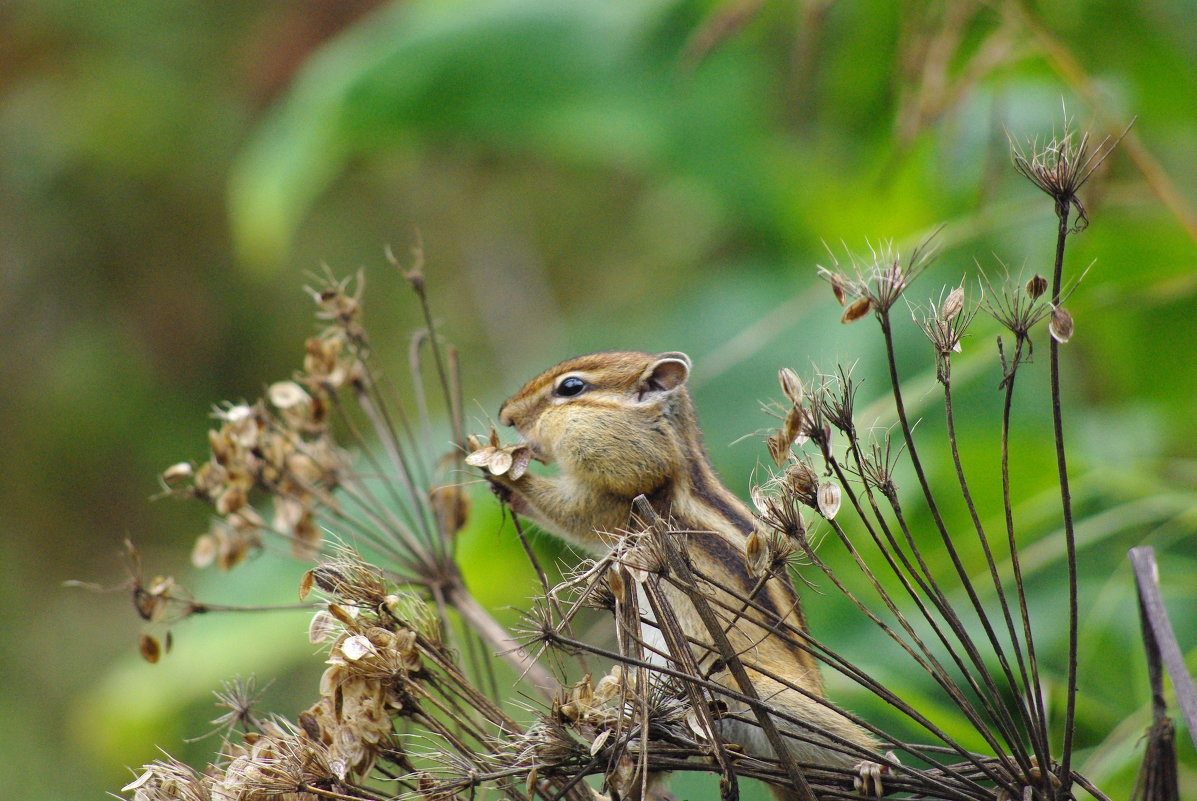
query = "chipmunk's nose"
{"x": 505, "y": 414}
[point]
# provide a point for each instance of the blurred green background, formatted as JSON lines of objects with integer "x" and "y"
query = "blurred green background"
{"x": 656, "y": 174}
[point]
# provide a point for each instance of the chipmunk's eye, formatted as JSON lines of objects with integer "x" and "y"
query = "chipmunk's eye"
{"x": 570, "y": 387}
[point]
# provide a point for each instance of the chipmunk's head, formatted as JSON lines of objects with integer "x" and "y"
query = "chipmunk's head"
{"x": 605, "y": 413}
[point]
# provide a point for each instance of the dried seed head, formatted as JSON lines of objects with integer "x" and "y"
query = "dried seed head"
{"x": 169, "y": 780}
{"x": 1061, "y": 167}
{"x": 829, "y": 500}
{"x": 802, "y": 479}
{"x": 1036, "y": 287}
{"x": 512, "y": 460}
{"x": 1060, "y": 326}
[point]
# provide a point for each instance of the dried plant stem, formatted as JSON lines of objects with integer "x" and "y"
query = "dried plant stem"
{"x": 1065, "y": 774}
{"x": 385, "y": 431}
{"x": 1039, "y": 737}
{"x": 1033, "y": 722}
{"x": 998, "y": 711}
{"x": 928, "y": 588}
{"x": 480, "y": 620}
{"x": 677, "y": 565}
{"x": 679, "y": 651}
{"x": 319, "y": 792}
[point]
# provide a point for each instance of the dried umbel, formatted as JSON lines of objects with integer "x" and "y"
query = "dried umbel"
{"x": 276, "y": 765}
{"x": 170, "y": 780}
{"x": 1063, "y": 164}
{"x": 874, "y": 283}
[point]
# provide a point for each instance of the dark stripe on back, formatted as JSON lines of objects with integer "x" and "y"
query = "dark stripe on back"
{"x": 732, "y": 558}
{"x": 712, "y": 498}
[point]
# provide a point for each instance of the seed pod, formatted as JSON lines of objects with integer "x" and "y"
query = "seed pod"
{"x": 500, "y": 462}
{"x": 1036, "y": 287}
{"x": 952, "y": 304}
{"x": 759, "y": 500}
{"x": 829, "y": 500}
{"x": 756, "y": 555}
{"x": 305, "y": 584}
{"x": 1060, "y": 326}
{"x": 321, "y": 627}
{"x": 802, "y": 479}
{"x": 779, "y": 447}
{"x": 357, "y": 647}
{"x": 791, "y": 385}
{"x": 150, "y": 650}
{"x": 599, "y": 741}
{"x": 796, "y": 428}
{"x": 285, "y": 394}
{"x": 177, "y": 474}
{"x": 615, "y": 581}
{"x": 858, "y": 309}
{"x": 451, "y": 508}
{"x": 521, "y": 457}
{"x": 837, "y": 287}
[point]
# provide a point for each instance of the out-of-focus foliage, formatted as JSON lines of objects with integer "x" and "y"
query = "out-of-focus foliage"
{"x": 656, "y": 175}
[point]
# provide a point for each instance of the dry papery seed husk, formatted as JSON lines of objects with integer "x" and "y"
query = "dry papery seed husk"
{"x": 791, "y": 385}
{"x": 1060, "y": 326}
{"x": 952, "y": 304}
{"x": 829, "y": 499}
{"x": 858, "y": 308}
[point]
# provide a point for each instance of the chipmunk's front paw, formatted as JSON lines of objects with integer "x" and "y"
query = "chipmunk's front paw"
{"x": 869, "y": 774}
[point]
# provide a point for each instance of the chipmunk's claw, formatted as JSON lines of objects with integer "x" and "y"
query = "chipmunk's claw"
{"x": 868, "y": 781}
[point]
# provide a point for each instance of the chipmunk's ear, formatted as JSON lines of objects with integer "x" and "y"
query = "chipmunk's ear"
{"x": 667, "y": 373}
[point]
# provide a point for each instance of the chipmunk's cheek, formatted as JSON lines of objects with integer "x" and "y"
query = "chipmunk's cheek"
{"x": 541, "y": 452}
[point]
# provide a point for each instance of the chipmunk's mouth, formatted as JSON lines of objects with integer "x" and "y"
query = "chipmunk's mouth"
{"x": 537, "y": 452}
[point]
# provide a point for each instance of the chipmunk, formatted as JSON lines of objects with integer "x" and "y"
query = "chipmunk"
{"x": 620, "y": 425}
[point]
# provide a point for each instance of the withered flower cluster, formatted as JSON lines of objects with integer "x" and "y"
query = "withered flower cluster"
{"x": 279, "y": 448}
{"x": 874, "y": 283}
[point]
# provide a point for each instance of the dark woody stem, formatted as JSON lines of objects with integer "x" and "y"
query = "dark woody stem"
{"x": 1026, "y": 705}
{"x": 1040, "y": 743}
{"x": 1065, "y": 773}
{"x": 1002, "y": 718}
{"x": 677, "y": 565}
